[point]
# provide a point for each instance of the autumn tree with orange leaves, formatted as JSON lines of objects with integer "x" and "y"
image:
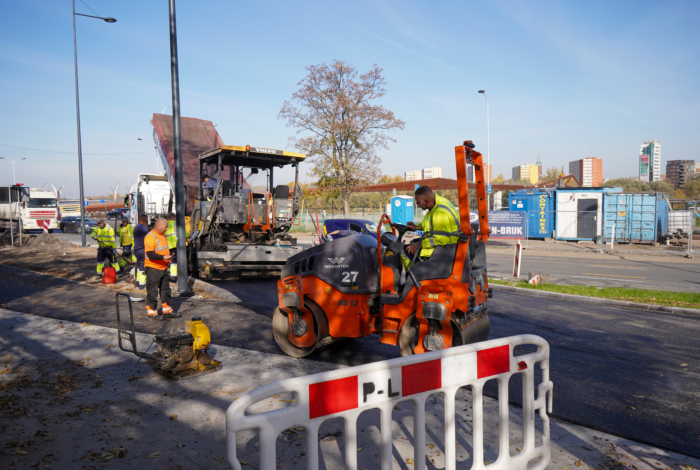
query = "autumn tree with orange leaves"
{"x": 339, "y": 127}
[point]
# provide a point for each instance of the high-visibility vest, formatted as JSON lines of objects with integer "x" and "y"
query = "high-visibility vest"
{"x": 171, "y": 234}
{"x": 104, "y": 236}
{"x": 441, "y": 218}
{"x": 126, "y": 235}
{"x": 156, "y": 242}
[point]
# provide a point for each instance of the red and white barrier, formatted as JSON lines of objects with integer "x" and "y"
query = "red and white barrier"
{"x": 348, "y": 392}
{"x": 516, "y": 262}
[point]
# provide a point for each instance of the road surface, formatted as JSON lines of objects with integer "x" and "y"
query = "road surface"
{"x": 636, "y": 272}
{"x": 629, "y": 372}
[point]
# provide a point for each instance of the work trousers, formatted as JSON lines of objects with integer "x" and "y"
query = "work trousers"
{"x": 106, "y": 253}
{"x": 157, "y": 280}
{"x": 126, "y": 255}
{"x": 140, "y": 269}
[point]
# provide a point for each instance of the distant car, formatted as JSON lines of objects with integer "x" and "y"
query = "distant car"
{"x": 362, "y": 226}
{"x": 121, "y": 212}
{"x": 72, "y": 224}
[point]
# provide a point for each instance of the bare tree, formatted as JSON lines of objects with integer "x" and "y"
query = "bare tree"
{"x": 338, "y": 126}
{"x": 552, "y": 173}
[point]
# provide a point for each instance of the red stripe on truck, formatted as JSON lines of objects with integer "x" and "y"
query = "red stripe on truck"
{"x": 334, "y": 396}
{"x": 421, "y": 377}
{"x": 492, "y": 361}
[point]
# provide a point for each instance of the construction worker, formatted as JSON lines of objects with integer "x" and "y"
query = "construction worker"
{"x": 140, "y": 232}
{"x": 209, "y": 186}
{"x": 126, "y": 240}
{"x": 157, "y": 259}
{"x": 171, "y": 236}
{"x": 441, "y": 217}
{"x": 104, "y": 234}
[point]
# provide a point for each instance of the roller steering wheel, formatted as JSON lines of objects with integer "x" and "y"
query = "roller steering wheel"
{"x": 402, "y": 229}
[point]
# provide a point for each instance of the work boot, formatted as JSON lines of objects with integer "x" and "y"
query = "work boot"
{"x": 151, "y": 313}
{"x": 168, "y": 312}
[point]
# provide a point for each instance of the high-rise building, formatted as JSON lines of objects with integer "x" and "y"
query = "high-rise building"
{"x": 528, "y": 172}
{"x": 424, "y": 174}
{"x": 487, "y": 173}
{"x": 697, "y": 168}
{"x": 587, "y": 171}
{"x": 650, "y": 161}
{"x": 413, "y": 175}
{"x": 432, "y": 172}
{"x": 680, "y": 171}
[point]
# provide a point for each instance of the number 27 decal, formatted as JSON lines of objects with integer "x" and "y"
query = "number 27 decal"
{"x": 349, "y": 276}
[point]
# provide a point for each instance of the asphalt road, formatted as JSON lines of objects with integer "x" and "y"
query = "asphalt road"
{"x": 635, "y": 272}
{"x": 628, "y": 372}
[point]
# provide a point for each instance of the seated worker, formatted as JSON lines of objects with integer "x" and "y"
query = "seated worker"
{"x": 441, "y": 217}
{"x": 209, "y": 186}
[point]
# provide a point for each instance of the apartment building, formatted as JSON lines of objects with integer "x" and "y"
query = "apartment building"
{"x": 587, "y": 171}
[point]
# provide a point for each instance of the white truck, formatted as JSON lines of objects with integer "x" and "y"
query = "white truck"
{"x": 34, "y": 208}
{"x": 150, "y": 196}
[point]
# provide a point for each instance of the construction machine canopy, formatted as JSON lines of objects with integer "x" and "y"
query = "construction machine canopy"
{"x": 250, "y": 157}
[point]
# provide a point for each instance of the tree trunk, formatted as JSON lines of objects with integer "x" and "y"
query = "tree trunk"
{"x": 346, "y": 204}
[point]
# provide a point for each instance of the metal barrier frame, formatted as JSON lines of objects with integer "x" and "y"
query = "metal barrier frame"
{"x": 475, "y": 363}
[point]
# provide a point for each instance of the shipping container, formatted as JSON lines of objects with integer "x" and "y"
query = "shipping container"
{"x": 635, "y": 217}
{"x": 579, "y": 213}
{"x": 539, "y": 206}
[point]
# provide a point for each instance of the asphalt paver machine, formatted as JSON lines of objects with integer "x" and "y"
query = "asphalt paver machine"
{"x": 241, "y": 230}
{"x": 355, "y": 286}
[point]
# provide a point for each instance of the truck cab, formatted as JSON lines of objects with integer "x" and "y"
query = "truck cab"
{"x": 33, "y": 208}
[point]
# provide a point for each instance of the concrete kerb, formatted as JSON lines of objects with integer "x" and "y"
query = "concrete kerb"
{"x": 596, "y": 300}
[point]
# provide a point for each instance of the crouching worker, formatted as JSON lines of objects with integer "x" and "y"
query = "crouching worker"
{"x": 157, "y": 276}
{"x": 441, "y": 217}
{"x": 104, "y": 234}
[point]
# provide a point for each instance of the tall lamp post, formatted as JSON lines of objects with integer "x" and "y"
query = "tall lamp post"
{"x": 77, "y": 116}
{"x": 14, "y": 179}
{"x": 488, "y": 157}
{"x": 179, "y": 190}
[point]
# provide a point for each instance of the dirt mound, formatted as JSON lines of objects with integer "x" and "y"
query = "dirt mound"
{"x": 42, "y": 241}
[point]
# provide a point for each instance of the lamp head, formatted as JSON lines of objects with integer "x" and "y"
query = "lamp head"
{"x": 110, "y": 20}
{"x": 482, "y": 91}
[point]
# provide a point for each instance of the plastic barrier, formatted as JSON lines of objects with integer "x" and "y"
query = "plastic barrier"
{"x": 348, "y": 392}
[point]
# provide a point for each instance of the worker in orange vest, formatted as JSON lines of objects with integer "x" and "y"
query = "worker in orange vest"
{"x": 157, "y": 276}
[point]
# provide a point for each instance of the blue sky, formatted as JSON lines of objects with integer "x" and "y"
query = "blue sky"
{"x": 558, "y": 75}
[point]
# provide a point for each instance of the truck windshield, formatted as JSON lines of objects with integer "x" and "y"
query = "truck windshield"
{"x": 41, "y": 203}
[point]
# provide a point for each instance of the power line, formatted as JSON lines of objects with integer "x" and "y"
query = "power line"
{"x": 71, "y": 153}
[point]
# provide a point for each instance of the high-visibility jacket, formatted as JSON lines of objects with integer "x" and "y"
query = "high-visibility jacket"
{"x": 443, "y": 217}
{"x": 126, "y": 235}
{"x": 171, "y": 234}
{"x": 156, "y": 242}
{"x": 104, "y": 236}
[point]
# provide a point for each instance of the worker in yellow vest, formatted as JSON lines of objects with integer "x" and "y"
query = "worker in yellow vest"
{"x": 126, "y": 240}
{"x": 104, "y": 235}
{"x": 171, "y": 235}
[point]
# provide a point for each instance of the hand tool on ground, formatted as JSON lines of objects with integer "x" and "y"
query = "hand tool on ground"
{"x": 180, "y": 354}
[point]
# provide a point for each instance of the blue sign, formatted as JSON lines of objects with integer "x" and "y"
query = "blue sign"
{"x": 505, "y": 224}
{"x": 416, "y": 185}
{"x": 489, "y": 189}
{"x": 85, "y": 203}
{"x": 102, "y": 201}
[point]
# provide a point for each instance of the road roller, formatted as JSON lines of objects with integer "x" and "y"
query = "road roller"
{"x": 357, "y": 286}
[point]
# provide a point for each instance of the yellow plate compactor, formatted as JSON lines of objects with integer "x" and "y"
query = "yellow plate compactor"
{"x": 180, "y": 354}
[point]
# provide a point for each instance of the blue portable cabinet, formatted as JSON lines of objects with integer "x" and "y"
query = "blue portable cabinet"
{"x": 402, "y": 209}
{"x": 539, "y": 205}
{"x": 635, "y": 217}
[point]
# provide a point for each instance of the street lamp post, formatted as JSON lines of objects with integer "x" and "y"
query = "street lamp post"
{"x": 488, "y": 157}
{"x": 77, "y": 116}
{"x": 14, "y": 179}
